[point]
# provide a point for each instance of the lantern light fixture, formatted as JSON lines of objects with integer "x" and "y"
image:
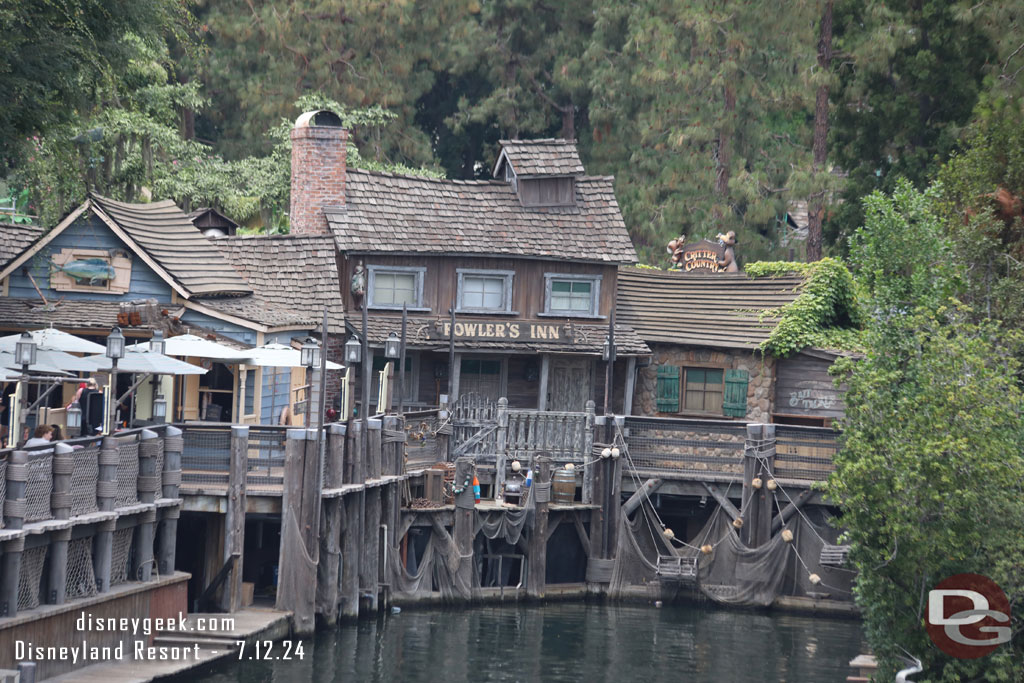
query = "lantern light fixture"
{"x": 353, "y": 351}
{"x": 158, "y": 344}
{"x": 25, "y": 350}
{"x": 392, "y": 346}
{"x": 309, "y": 353}
{"x": 115, "y": 344}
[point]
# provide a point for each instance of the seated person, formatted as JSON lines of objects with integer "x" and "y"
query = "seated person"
{"x": 42, "y": 436}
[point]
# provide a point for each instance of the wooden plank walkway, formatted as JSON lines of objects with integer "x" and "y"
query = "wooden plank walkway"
{"x": 250, "y": 625}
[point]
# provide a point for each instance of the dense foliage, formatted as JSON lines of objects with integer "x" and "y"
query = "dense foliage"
{"x": 825, "y": 314}
{"x": 929, "y": 473}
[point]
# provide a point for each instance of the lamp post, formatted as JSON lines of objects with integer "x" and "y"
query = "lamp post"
{"x": 309, "y": 357}
{"x": 392, "y": 351}
{"x": 401, "y": 362}
{"x": 115, "y": 351}
{"x": 24, "y": 355}
{"x": 158, "y": 345}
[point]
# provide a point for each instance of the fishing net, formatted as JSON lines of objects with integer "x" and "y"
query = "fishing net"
{"x": 81, "y": 582}
{"x": 84, "y": 474}
{"x": 38, "y": 488}
{"x": 32, "y": 561}
{"x": 120, "y": 555}
{"x": 127, "y": 474}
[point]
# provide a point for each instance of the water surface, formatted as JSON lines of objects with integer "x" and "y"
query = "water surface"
{"x": 567, "y": 642}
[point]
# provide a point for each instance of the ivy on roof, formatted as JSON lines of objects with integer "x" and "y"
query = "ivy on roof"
{"x": 825, "y": 315}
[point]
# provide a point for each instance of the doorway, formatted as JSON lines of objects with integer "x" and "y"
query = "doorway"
{"x": 570, "y": 384}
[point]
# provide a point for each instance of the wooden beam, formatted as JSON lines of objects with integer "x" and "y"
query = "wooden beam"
{"x": 553, "y": 525}
{"x": 627, "y": 399}
{"x": 581, "y": 532}
{"x": 791, "y": 507}
{"x": 536, "y": 585}
{"x": 542, "y": 390}
{"x": 644, "y": 492}
{"x": 726, "y": 504}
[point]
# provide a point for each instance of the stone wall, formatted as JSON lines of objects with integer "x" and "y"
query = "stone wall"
{"x": 760, "y": 393}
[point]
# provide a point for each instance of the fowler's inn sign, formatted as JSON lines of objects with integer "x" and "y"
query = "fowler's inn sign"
{"x": 504, "y": 330}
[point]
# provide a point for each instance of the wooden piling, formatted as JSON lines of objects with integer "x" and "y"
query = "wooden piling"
{"x": 106, "y": 494}
{"x": 536, "y": 579}
{"x": 588, "y": 448}
{"x": 369, "y": 565}
{"x": 171, "y": 481}
{"x": 60, "y": 502}
{"x": 352, "y": 521}
{"x": 374, "y": 453}
{"x": 234, "y": 522}
{"x": 502, "y": 438}
{"x": 328, "y": 570}
{"x": 300, "y": 526}
{"x": 758, "y": 463}
{"x": 148, "y": 484}
{"x": 14, "y": 518}
{"x": 465, "y": 513}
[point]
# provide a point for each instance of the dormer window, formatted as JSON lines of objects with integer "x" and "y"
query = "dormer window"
{"x": 547, "y": 191}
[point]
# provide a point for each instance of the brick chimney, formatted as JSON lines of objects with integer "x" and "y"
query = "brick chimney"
{"x": 318, "y": 171}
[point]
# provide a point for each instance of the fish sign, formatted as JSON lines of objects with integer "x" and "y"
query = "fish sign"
{"x": 91, "y": 271}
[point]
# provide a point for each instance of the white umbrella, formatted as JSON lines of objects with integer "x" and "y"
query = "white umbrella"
{"x": 46, "y": 361}
{"x": 279, "y": 356}
{"x": 190, "y": 345}
{"x": 148, "y": 363}
{"x": 52, "y": 339}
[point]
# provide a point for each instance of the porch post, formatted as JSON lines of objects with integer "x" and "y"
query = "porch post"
{"x": 542, "y": 390}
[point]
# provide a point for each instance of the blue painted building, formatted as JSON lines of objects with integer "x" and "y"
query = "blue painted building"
{"x": 145, "y": 267}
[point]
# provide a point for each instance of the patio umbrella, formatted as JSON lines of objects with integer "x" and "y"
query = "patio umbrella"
{"x": 148, "y": 363}
{"x": 279, "y": 356}
{"x": 191, "y": 345}
{"x": 52, "y": 339}
{"x": 45, "y": 362}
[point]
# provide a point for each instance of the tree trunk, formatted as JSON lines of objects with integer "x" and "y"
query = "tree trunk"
{"x": 816, "y": 207}
{"x": 569, "y": 121}
{"x": 725, "y": 150}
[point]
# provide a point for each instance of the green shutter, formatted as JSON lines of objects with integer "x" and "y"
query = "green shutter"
{"x": 734, "y": 402}
{"x": 668, "y": 389}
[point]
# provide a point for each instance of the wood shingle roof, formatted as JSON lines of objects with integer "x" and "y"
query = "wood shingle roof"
{"x": 169, "y": 238}
{"x": 716, "y": 310}
{"x": 406, "y": 214}
{"x": 542, "y": 157}
{"x": 297, "y": 273}
{"x": 14, "y": 239}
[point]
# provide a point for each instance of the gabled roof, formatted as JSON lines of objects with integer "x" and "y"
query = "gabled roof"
{"x": 168, "y": 236}
{"x": 14, "y": 239}
{"x": 550, "y": 157}
{"x": 209, "y": 217}
{"x": 161, "y": 235}
{"x": 719, "y": 310}
{"x": 296, "y": 272}
{"x": 411, "y": 215}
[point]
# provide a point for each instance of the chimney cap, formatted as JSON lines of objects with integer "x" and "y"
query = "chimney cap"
{"x": 322, "y": 118}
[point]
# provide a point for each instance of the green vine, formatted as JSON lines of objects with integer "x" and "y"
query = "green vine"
{"x": 825, "y": 314}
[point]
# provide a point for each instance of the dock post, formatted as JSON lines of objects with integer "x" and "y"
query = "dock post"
{"x": 106, "y": 494}
{"x": 300, "y": 525}
{"x": 588, "y": 455}
{"x": 465, "y": 514}
{"x": 60, "y": 501}
{"x": 234, "y": 522}
{"x": 330, "y": 528}
{"x": 759, "y": 464}
{"x": 352, "y": 521}
{"x": 174, "y": 444}
{"x": 614, "y": 494}
{"x": 369, "y": 565}
{"x": 499, "y": 465}
{"x": 536, "y": 581}
{"x": 14, "y": 518}
{"x": 149, "y": 483}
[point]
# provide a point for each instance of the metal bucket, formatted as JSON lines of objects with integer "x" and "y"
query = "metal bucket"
{"x": 563, "y": 487}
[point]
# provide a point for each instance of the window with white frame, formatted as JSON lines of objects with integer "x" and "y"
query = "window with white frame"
{"x": 484, "y": 291}
{"x": 393, "y": 286}
{"x": 571, "y": 295}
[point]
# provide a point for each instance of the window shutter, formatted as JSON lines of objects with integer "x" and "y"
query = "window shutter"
{"x": 735, "y": 400}
{"x": 668, "y": 389}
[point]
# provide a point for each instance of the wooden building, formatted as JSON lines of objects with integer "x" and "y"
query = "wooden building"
{"x": 705, "y": 332}
{"x": 528, "y": 263}
{"x": 213, "y": 223}
{"x": 144, "y": 267}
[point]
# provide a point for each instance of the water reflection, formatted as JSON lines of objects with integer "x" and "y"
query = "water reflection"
{"x": 567, "y": 643}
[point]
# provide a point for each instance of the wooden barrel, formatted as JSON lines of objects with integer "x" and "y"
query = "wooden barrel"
{"x": 563, "y": 487}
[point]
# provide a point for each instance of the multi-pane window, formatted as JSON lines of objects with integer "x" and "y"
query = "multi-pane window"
{"x": 480, "y": 376}
{"x": 485, "y": 291}
{"x": 571, "y": 295}
{"x": 393, "y": 287}
{"x": 482, "y": 292}
{"x": 702, "y": 390}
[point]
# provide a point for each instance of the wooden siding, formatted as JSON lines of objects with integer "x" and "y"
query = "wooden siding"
{"x": 804, "y": 387}
{"x": 88, "y": 232}
{"x": 439, "y": 285}
{"x": 228, "y": 329}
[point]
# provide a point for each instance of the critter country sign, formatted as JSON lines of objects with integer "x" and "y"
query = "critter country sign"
{"x": 968, "y": 616}
{"x": 703, "y": 255}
